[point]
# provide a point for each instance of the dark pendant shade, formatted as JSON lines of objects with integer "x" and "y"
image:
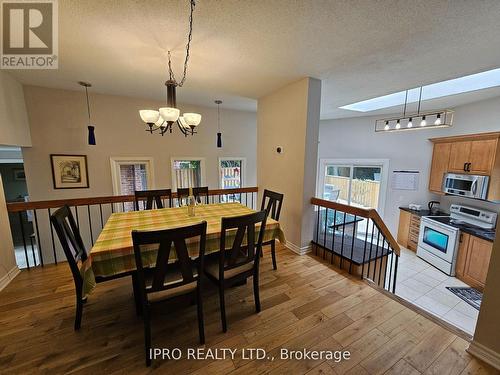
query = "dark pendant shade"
{"x": 219, "y": 140}
{"x": 91, "y": 135}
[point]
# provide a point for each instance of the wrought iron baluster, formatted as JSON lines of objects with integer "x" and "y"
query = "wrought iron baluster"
{"x": 382, "y": 257}
{"x": 371, "y": 247}
{"x": 376, "y": 256}
{"x": 318, "y": 223}
{"x": 24, "y": 238}
{"x": 352, "y": 245}
{"x": 90, "y": 225}
{"x": 77, "y": 219}
{"x": 395, "y": 275}
{"x": 52, "y": 237}
{"x": 100, "y": 211}
{"x": 342, "y": 242}
{"x": 364, "y": 250}
{"x": 39, "y": 247}
{"x": 333, "y": 235}
{"x": 326, "y": 231}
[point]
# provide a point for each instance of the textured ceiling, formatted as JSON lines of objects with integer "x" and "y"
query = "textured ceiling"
{"x": 242, "y": 50}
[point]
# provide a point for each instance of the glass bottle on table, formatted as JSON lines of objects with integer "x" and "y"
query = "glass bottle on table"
{"x": 191, "y": 203}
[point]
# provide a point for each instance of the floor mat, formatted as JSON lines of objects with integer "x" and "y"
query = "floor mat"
{"x": 470, "y": 295}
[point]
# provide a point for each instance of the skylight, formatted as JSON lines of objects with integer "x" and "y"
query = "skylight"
{"x": 473, "y": 82}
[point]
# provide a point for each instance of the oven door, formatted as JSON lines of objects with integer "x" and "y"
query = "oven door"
{"x": 438, "y": 239}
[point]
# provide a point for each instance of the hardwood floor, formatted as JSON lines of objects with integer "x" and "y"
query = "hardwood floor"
{"x": 305, "y": 304}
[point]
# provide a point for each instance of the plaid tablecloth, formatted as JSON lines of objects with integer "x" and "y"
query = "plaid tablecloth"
{"x": 113, "y": 252}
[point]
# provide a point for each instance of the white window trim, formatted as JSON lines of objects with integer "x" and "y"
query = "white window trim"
{"x": 190, "y": 158}
{"x": 116, "y": 161}
{"x": 243, "y": 168}
{"x": 384, "y": 178}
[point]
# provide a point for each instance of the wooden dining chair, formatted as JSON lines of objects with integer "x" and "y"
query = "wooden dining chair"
{"x": 72, "y": 244}
{"x": 198, "y": 192}
{"x": 271, "y": 203}
{"x": 239, "y": 261}
{"x": 167, "y": 281}
{"x": 151, "y": 196}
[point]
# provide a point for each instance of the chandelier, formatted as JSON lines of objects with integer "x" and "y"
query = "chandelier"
{"x": 418, "y": 120}
{"x": 163, "y": 119}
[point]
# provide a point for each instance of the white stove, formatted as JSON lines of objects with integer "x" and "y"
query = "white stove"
{"x": 439, "y": 235}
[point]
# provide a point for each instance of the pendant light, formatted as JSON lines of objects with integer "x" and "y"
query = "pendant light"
{"x": 90, "y": 127}
{"x": 443, "y": 118}
{"x": 165, "y": 117}
{"x": 219, "y": 134}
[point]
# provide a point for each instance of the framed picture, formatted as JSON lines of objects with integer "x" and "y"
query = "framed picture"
{"x": 69, "y": 171}
{"x": 19, "y": 174}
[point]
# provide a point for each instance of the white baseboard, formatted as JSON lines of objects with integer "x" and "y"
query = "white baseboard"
{"x": 4, "y": 281}
{"x": 298, "y": 250}
{"x": 485, "y": 354}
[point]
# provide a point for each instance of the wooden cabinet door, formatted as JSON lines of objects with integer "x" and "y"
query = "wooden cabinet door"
{"x": 459, "y": 156}
{"x": 440, "y": 161}
{"x": 477, "y": 262}
{"x": 404, "y": 227}
{"x": 463, "y": 247}
{"x": 482, "y": 156}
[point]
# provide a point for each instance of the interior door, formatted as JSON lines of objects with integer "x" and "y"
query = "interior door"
{"x": 482, "y": 156}
{"x": 459, "y": 156}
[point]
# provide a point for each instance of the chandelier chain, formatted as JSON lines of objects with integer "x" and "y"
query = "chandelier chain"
{"x": 190, "y": 36}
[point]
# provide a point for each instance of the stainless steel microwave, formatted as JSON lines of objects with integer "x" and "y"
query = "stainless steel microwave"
{"x": 466, "y": 185}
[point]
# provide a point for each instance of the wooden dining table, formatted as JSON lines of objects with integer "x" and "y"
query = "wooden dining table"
{"x": 113, "y": 254}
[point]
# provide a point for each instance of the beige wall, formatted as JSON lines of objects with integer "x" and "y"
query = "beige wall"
{"x": 58, "y": 122}
{"x": 289, "y": 118}
{"x": 8, "y": 267}
{"x": 14, "y": 128}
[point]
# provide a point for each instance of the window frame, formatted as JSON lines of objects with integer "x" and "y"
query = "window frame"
{"x": 117, "y": 161}
{"x": 243, "y": 169}
{"x": 202, "y": 160}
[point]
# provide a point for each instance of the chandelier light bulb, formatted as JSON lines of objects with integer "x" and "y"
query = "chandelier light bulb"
{"x": 387, "y": 127}
{"x": 192, "y": 119}
{"x": 423, "y": 122}
{"x": 149, "y": 116}
{"x": 410, "y": 123}
{"x": 398, "y": 124}
{"x": 169, "y": 114}
{"x": 438, "y": 119}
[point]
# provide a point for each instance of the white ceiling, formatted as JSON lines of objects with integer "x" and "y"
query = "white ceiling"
{"x": 242, "y": 50}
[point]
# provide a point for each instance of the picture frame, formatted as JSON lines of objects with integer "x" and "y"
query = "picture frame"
{"x": 69, "y": 171}
{"x": 19, "y": 174}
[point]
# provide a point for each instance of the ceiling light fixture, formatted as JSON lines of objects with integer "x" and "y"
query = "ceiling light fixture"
{"x": 443, "y": 118}
{"x": 219, "y": 134}
{"x": 163, "y": 119}
{"x": 90, "y": 127}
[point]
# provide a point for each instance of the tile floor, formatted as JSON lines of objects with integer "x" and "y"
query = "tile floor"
{"x": 425, "y": 286}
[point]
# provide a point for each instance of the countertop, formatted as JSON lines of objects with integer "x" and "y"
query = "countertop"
{"x": 485, "y": 234}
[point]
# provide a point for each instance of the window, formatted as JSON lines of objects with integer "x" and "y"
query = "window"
{"x": 188, "y": 172}
{"x": 231, "y": 176}
{"x": 360, "y": 183}
{"x": 129, "y": 175}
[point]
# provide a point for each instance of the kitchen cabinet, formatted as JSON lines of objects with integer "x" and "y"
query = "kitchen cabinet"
{"x": 473, "y": 260}
{"x": 468, "y": 154}
{"x": 440, "y": 162}
{"x": 408, "y": 230}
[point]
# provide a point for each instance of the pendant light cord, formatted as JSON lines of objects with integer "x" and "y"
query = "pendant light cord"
{"x": 190, "y": 36}
{"x": 406, "y": 100}
{"x": 218, "y": 117}
{"x": 88, "y": 105}
{"x": 419, "y": 101}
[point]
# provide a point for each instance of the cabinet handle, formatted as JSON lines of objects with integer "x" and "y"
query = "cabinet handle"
{"x": 468, "y": 166}
{"x": 465, "y": 167}
{"x": 461, "y": 238}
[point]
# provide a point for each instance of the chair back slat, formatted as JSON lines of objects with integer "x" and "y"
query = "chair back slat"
{"x": 240, "y": 253}
{"x": 198, "y": 192}
{"x": 164, "y": 239}
{"x": 152, "y": 196}
{"x": 71, "y": 241}
{"x": 271, "y": 202}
